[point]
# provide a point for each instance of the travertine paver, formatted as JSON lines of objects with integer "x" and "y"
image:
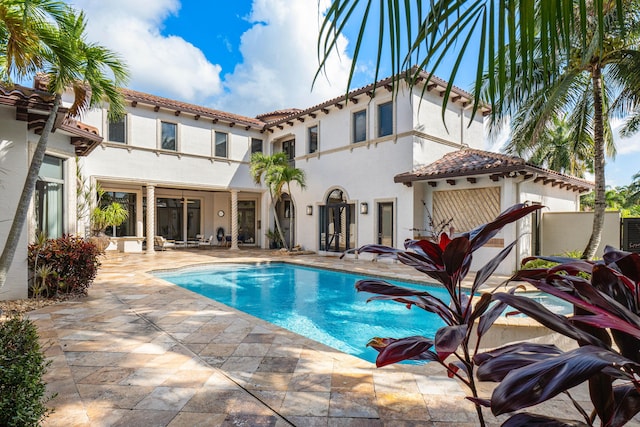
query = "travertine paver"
{"x": 139, "y": 351}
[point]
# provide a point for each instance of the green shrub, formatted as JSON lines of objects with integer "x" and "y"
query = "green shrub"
{"x": 71, "y": 265}
{"x": 22, "y": 365}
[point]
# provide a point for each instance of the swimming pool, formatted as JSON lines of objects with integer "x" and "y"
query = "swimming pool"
{"x": 320, "y": 304}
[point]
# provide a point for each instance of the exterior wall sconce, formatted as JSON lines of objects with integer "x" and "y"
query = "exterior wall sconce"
{"x": 309, "y": 210}
{"x": 364, "y": 208}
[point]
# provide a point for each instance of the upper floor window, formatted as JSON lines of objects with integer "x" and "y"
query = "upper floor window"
{"x": 118, "y": 130}
{"x": 385, "y": 119}
{"x": 289, "y": 147}
{"x": 313, "y": 139}
{"x": 221, "y": 144}
{"x": 168, "y": 139}
{"x": 360, "y": 126}
{"x": 256, "y": 145}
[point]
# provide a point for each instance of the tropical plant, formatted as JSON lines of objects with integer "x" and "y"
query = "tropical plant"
{"x": 448, "y": 262}
{"x": 71, "y": 264}
{"x": 274, "y": 237}
{"x": 23, "y": 393}
{"x": 442, "y": 34}
{"x": 556, "y": 149}
{"x": 57, "y": 49}
{"x": 589, "y": 78}
{"x": 277, "y": 173}
{"x": 605, "y": 325}
{"x": 111, "y": 215}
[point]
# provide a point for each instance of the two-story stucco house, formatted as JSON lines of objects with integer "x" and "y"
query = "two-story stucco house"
{"x": 377, "y": 167}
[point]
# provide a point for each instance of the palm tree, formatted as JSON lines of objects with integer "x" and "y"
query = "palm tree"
{"x": 277, "y": 173}
{"x": 556, "y": 149}
{"x": 281, "y": 175}
{"x": 588, "y": 81}
{"x": 441, "y": 34}
{"x": 94, "y": 73}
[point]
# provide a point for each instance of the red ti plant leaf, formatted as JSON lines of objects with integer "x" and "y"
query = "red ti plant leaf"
{"x": 489, "y": 268}
{"x": 545, "y": 317}
{"x": 455, "y": 255}
{"x": 627, "y": 405}
{"x": 492, "y": 314}
{"x": 444, "y": 241}
{"x": 448, "y": 338}
{"x": 382, "y": 287}
{"x": 495, "y": 365}
{"x": 379, "y": 250}
{"x": 424, "y": 265}
{"x": 484, "y": 233}
{"x": 430, "y": 304}
{"x": 428, "y": 249}
{"x": 540, "y": 381}
{"x": 533, "y": 420}
{"x": 397, "y": 350}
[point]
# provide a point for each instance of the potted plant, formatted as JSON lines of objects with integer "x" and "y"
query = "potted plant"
{"x": 113, "y": 215}
{"x": 275, "y": 241}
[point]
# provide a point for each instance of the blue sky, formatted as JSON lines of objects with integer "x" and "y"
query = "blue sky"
{"x": 247, "y": 56}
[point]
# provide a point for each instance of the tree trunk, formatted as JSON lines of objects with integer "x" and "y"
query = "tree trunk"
{"x": 277, "y": 220}
{"x": 598, "y": 166}
{"x": 20, "y": 217}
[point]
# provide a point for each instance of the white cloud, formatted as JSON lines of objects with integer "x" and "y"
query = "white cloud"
{"x": 280, "y": 60}
{"x": 161, "y": 65}
{"x": 279, "y": 55}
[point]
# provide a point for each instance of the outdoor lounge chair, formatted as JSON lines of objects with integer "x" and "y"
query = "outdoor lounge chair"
{"x": 162, "y": 244}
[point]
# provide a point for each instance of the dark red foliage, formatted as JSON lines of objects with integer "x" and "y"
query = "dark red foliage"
{"x": 447, "y": 262}
{"x": 73, "y": 262}
{"x": 607, "y": 311}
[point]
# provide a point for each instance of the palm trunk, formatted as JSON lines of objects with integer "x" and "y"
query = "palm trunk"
{"x": 8, "y": 253}
{"x": 277, "y": 220}
{"x": 598, "y": 166}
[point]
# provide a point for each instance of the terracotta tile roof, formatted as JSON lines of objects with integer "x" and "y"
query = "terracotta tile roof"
{"x": 278, "y": 114}
{"x": 469, "y": 162}
{"x": 199, "y": 111}
{"x": 24, "y": 97}
{"x": 457, "y": 95}
{"x": 84, "y": 137}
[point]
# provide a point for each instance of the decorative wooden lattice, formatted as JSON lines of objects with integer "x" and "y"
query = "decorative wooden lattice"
{"x": 468, "y": 208}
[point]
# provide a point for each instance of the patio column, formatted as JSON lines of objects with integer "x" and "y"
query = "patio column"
{"x": 234, "y": 219}
{"x": 151, "y": 217}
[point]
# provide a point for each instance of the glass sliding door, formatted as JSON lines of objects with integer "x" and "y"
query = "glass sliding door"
{"x": 247, "y": 221}
{"x": 169, "y": 218}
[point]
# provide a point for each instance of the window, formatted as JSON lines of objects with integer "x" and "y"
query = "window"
{"x": 168, "y": 137}
{"x": 385, "y": 119}
{"x": 313, "y": 139}
{"x": 360, "y": 126}
{"x": 289, "y": 147}
{"x": 118, "y": 130}
{"x": 221, "y": 144}
{"x": 49, "y": 197}
{"x": 256, "y": 145}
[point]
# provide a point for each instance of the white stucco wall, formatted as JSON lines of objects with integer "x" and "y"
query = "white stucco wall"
{"x": 16, "y": 147}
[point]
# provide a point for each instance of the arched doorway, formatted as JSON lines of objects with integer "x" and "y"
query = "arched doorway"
{"x": 337, "y": 223}
{"x": 285, "y": 210}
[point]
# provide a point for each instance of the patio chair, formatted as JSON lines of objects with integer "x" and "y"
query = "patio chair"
{"x": 162, "y": 244}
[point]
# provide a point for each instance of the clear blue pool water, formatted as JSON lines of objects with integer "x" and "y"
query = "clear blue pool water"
{"x": 320, "y": 304}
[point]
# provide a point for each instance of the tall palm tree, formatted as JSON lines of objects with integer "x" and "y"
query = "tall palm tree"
{"x": 277, "y": 173}
{"x": 67, "y": 60}
{"x": 439, "y": 34}
{"x": 588, "y": 81}
{"x": 283, "y": 175}
{"x": 556, "y": 149}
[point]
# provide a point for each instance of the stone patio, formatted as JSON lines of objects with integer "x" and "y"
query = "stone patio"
{"x": 139, "y": 351}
